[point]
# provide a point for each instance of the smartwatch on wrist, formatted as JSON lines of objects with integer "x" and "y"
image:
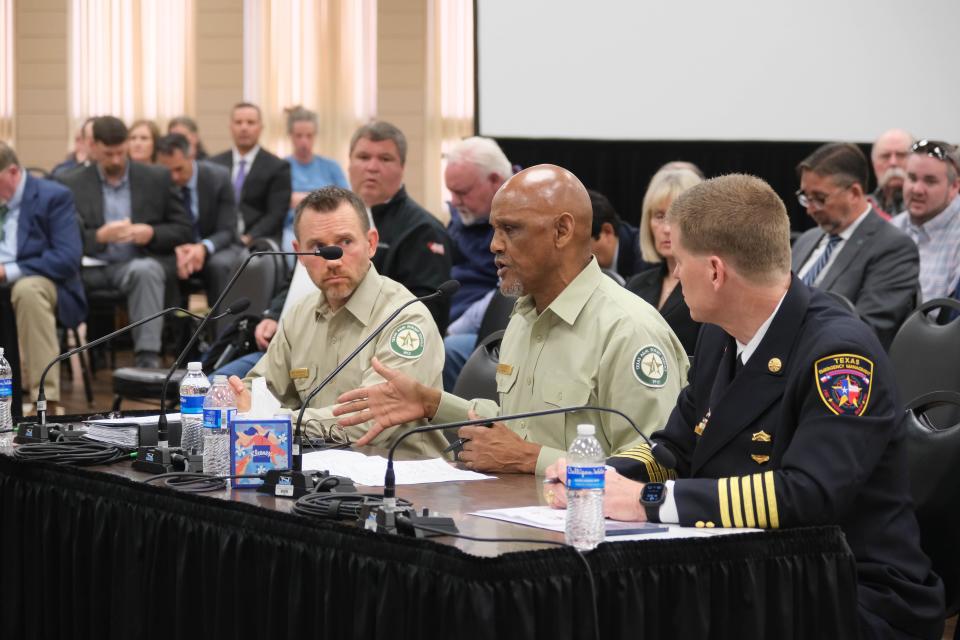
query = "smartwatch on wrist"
{"x": 651, "y": 497}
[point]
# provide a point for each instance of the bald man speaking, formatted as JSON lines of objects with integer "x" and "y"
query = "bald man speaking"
{"x": 575, "y": 338}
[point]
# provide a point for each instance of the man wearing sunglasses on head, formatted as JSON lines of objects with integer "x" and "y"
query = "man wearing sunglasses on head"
{"x": 931, "y": 216}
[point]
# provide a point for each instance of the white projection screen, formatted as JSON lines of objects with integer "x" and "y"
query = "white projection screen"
{"x": 718, "y": 69}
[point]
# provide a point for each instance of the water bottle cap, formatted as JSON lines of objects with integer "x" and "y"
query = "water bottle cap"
{"x": 586, "y": 429}
{"x": 1, "y": 352}
{"x": 194, "y": 366}
{"x": 219, "y": 379}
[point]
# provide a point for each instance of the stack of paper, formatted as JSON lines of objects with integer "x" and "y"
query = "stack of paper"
{"x": 369, "y": 470}
{"x": 122, "y": 432}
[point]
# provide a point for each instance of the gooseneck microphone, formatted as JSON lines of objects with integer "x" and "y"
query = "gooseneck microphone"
{"x": 662, "y": 454}
{"x": 41, "y": 396}
{"x": 331, "y": 252}
{"x": 448, "y": 288}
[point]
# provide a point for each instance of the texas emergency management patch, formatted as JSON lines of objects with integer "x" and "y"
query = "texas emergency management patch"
{"x": 844, "y": 381}
{"x": 650, "y": 366}
{"x": 407, "y": 341}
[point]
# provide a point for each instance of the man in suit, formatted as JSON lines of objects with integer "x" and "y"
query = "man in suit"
{"x": 791, "y": 416}
{"x": 414, "y": 248}
{"x": 853, "y": 251}
{"x": 40, "y": 252}
{"x": 208, "y": 197}
{"x": 131, "y": 219}
{"x": 615, "y": 242}
{"x": 261, "y": 180}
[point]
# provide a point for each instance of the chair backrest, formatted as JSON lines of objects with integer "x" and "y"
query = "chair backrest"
{"x": 258, "y": 282}
{"x": 613, "y": 275}
{"x": 478, "y": 378}
{"x": 934, "y": 462}
{"x": 496, "y": 316}
{"x": 925, "y": 357}
{"x": 843, "y": 301}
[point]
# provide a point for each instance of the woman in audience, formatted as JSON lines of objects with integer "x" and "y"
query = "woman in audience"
{"x": 308, "y": 171}
{"x": 142, "y": 141}
{"x": 187, "y": 127}
{"x": 659, "y": 285}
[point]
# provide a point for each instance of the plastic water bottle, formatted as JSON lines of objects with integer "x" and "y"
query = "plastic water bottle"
{"x": 6, "y": 396}
{"x": 219, "y": 407}
{"x": 193, "y": 388}
{"x": 586, "y": 466}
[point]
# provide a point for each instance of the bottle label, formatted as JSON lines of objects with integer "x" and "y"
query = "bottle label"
{"x": 191, "y": 404}
{"x": 6, "y": 387}
{"x": 586, "y": 477}
{"x": 213, "y": 418}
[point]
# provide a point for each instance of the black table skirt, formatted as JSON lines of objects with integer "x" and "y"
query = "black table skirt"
{"x": 94, "y": 555}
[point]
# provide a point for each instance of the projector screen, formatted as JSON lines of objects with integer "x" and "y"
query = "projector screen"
{"x": 717, "y": 70}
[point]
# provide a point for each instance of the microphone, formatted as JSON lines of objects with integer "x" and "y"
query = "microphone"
{"x": 41, "y": 395}
{"x": 331, "y": 252}
{"x": 448, "y": 288}
{"x": 295, "y": 476}
{"x": 662, "y": 454}
{"x": 239, "y": 306}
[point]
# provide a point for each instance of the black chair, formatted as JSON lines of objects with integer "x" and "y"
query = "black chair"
{"x": 934, "y": 457}
{"x": 843, "y": 301}
{"x": 478, "y": 378}
{"x": 496, "y": 316}
{"x": 613, "y": 275}
{"x": 925, "y": 356}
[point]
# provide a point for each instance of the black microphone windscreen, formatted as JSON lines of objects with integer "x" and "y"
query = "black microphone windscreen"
{"x": 329, "y": 252}
{"x": 239, "y": 305}
{"x": 449, "y": 288}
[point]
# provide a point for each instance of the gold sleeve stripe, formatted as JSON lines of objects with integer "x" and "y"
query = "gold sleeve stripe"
{"x": 748, "y": 501}
{"x": 735, "y": 501}
{"x": 771, "y": 500}
{"x": 655, "y": 471}
{"x": 724, "y": 504}
{"x": 761, "y": 507}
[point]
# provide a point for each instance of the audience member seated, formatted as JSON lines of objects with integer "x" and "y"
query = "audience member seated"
{"x": 852, "y": 250}
{"x": 207, "y": 195}
{"x": 308, "y": 171}
{"x": 414, "y": 248}
{"x": 322, "y": 329}
{"x": 615, "y": 242}
{"x": 187, "y": 127}
{"x": 261, "y": 180}
{"x": 931, "y": 216}
{"x": 476, "y": 167}
{"x": 142, "y": 141}
{"x": 82, "y": 144}
{"x": 659, "y": 284}
{"x": 791, "y": 416}
{"x": 889, "y": 156}
{"x": 40, "y": 252}
{"x": 131, "y": 218}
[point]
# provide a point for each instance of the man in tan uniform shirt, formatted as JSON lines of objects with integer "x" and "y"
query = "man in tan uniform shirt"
{"x": 575, "y": 338}
{"x": 323, "y": 328}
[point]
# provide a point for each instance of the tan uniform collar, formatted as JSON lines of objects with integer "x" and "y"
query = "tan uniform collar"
{"x": 570, "y": 302}
{"x": 361, "y": 303}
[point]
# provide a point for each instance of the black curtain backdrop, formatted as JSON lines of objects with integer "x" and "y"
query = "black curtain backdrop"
{"x": 93, "y": 555}
{"x": 621, "y": 170}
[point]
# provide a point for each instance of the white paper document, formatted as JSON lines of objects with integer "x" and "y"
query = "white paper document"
{"x": 554, "y": 520}
{"x": 369, "y": 470}
{"x": 151, "y": 419}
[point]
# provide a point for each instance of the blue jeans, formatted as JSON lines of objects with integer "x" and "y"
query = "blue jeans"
{"x": 458, "y": 349}
{"x": 239, "y": 367}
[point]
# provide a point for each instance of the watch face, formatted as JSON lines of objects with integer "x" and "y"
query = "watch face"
{"x": 653, "y": 493}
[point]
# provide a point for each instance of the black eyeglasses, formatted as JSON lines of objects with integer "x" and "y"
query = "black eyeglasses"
{"x": 939, "y": 150}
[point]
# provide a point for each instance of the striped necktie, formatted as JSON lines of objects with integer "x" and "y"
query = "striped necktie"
{"x": 811, "y": 275}
{"x": 3, "y": 219}
{"x": 238, "y": 181}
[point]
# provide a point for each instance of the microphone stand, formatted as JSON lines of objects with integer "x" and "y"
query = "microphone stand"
{"x": 389, "y": 511}
{"x": 38, "y": 432}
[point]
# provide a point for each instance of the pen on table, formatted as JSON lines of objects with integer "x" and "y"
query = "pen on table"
{"x": 456, "y": 444}
{"x": 551, "y": 481}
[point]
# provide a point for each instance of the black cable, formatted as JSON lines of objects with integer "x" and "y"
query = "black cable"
{"x": 192, "y": 482}
{"x": 583, "y": 558}
{"x": 329, "y": 506}
{"x": 80, "y": 453}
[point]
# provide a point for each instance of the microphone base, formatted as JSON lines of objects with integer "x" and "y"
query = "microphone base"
{"x": 155, "y": 460}
{"x": 404, "y": 521}
{"x": 32, "y": 432}
{"x": 286, "y": 483}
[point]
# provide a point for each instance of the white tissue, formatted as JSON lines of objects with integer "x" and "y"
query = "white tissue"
{"x": 263, "y": 404}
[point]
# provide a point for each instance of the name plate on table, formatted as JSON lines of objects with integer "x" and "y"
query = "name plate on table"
{"x": 257, "y": 446}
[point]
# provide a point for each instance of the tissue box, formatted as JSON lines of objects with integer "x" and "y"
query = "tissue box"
{"x": 257, "y": 446}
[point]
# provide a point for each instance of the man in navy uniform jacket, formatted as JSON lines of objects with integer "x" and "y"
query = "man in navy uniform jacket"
{"x": 791, "y": 417}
